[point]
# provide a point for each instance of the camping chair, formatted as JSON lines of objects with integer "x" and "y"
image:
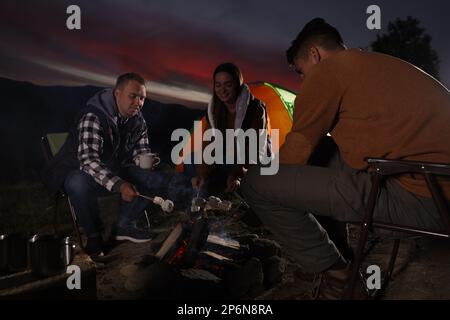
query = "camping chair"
{"x": 51, "y": 143}
{"x": 382, "y": 169}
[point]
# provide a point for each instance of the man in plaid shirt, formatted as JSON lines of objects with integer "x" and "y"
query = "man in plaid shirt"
{"x": 101, "y": 152}
{"x": 90, "y": 147}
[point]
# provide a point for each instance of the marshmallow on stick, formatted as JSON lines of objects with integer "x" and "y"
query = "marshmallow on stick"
{"x": 166, "y": 205}
{"x": 215, "y": 203}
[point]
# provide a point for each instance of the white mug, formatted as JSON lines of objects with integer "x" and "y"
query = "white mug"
{"x": 148, "y": 160}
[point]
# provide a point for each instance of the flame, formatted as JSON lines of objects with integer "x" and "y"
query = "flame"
{"x": 179, "y": 253}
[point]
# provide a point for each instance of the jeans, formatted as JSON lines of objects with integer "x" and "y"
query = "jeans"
{"x": 83, "y": 191}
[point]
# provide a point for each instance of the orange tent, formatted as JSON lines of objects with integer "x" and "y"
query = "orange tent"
{"x": 279, "y": 105}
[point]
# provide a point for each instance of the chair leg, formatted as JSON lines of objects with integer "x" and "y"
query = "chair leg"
{"x": 366, "y": 225}
{"x": 438, "y": 199}
{"x": 390, "y": 269}
{"x": 55, "y": 214}
{"x": 75, "y": 224}
{"x": 358, "y": 260}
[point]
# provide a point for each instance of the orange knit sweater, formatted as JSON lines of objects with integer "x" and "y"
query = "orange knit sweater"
{"x": 373, "y": 105}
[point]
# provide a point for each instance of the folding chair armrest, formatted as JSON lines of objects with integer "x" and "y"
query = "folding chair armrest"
{"x": 390, "y": 167}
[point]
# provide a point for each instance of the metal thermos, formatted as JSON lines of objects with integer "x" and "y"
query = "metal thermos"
{"x": 68, "y": 249}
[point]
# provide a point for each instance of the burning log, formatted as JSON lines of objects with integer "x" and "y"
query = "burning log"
{"x": 232, "y": 244}
{"x": 184, "y": 242}
{"x": 216, "y": 256}
{"x": 171, "y": 242}
{"x": 197, "y": 240}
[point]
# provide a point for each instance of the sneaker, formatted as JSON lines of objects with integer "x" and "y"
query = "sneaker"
{"x": 133, "y": 234}
{"x": 333, "y": 285}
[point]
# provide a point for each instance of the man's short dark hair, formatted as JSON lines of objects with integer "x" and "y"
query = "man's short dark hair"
{"x": 123, "y": 79}
{"x": 317, "y": 31}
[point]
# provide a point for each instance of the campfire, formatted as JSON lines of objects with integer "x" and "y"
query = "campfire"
{"x": 198, "y": 250}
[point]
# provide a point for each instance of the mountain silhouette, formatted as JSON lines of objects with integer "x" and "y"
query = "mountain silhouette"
{"x": 29, "y": 111}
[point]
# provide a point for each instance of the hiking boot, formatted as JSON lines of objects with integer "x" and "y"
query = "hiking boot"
{"x": 133, "y": 234}
{"x": 333, "y": 285}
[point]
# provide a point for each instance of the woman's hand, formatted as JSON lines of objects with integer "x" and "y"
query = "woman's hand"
{"x": 197, "y": 182}
{"x": 233, "y": 183}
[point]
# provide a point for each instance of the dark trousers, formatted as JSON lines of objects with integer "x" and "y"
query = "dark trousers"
{"x": 289, "y": 202}
{"x": 83, "y": 191}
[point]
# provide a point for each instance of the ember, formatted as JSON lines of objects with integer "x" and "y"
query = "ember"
{"x": 179, "y": 254}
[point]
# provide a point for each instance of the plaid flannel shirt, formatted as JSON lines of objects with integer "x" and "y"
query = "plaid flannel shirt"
{"x": 90, "y": 147}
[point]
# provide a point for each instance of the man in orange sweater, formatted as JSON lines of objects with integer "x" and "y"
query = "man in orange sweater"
{"x": 372, "y": 105}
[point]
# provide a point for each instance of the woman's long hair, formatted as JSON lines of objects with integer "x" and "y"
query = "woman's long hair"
{"x": 220, "y": 109}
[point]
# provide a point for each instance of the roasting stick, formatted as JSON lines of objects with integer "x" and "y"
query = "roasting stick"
{"x": 146, "y": 197}
{"x": 166, "y": 205}
{"x": 145, "y": 211}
